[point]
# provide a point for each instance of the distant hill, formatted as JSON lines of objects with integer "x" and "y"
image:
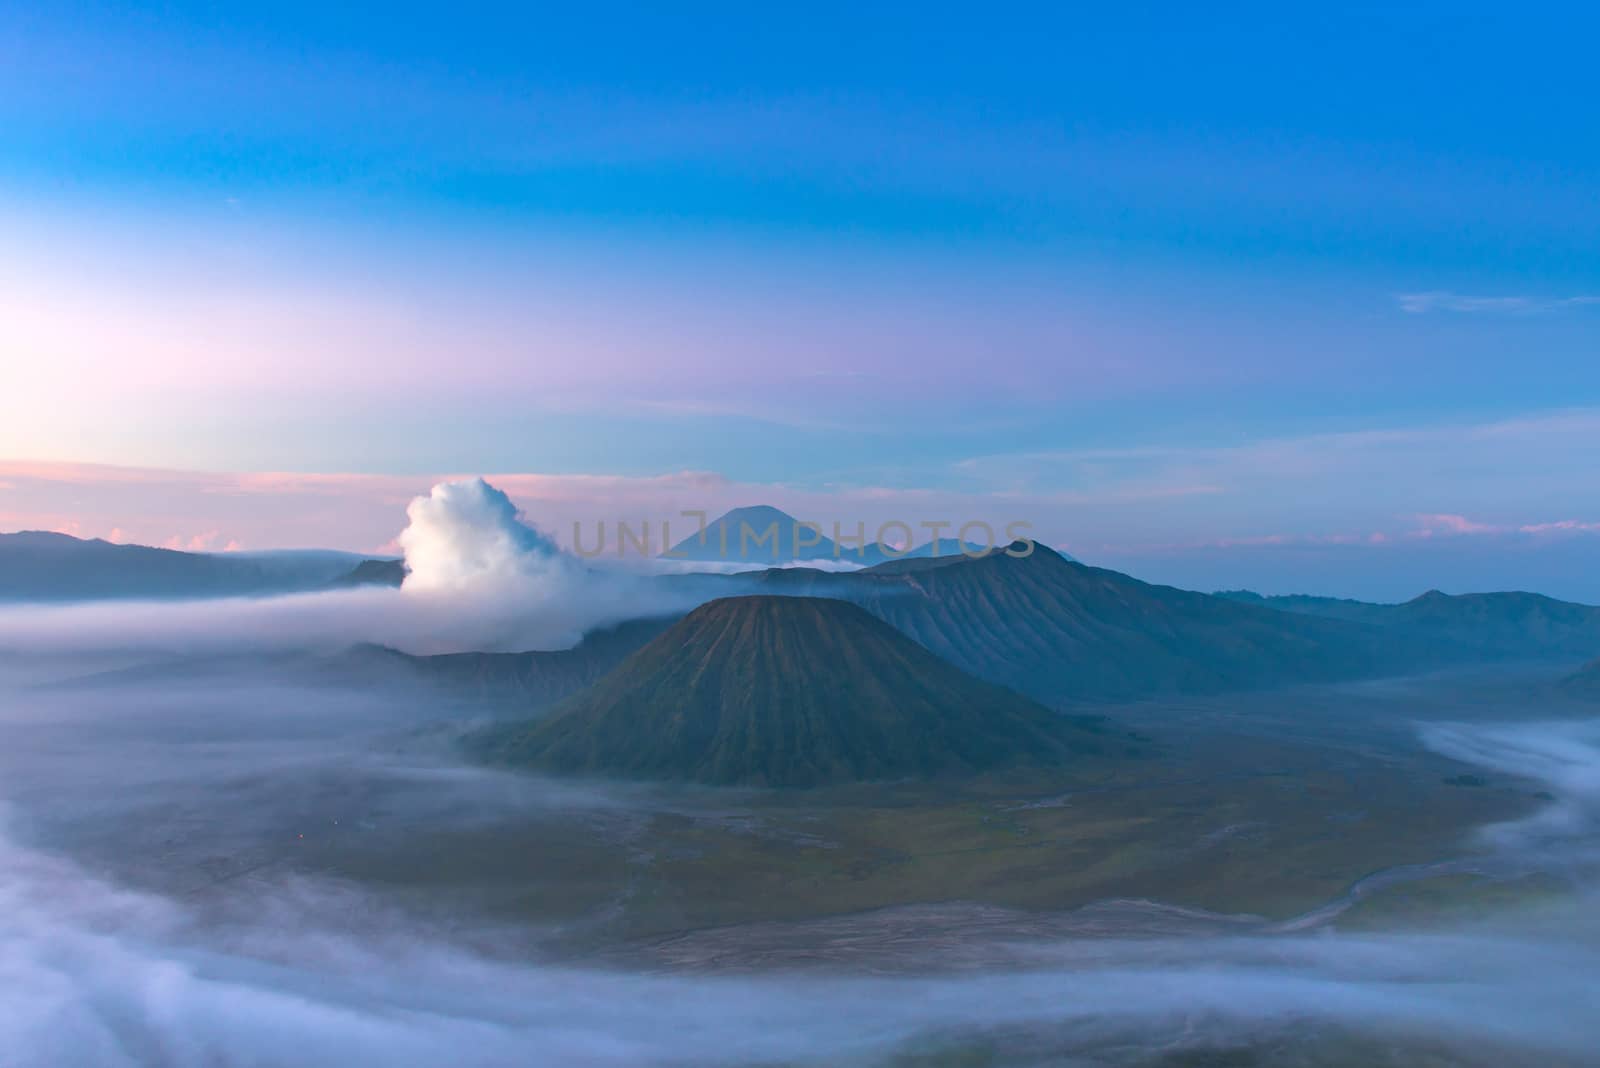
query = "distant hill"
{"x": 1060, "y": 631}
{"x": 1510, "y": 624}
{"x": 789, "y": 691}
{"x": 40, "y": 566}
{"x": 1498, "y": 625}
{"x": 1333, "y": 607}
{"x": 372, "y": 573}
{"x": 502, "y": 683}
{"x": 533, "y": 680}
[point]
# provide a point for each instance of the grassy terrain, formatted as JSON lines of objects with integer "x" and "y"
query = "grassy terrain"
{"x": 1448, "y": 900}
{"x": 1237, "y": 819}
{"x": 1272, "y": 842}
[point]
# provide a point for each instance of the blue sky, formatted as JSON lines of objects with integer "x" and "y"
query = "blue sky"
{"x": 1109, "y": 262}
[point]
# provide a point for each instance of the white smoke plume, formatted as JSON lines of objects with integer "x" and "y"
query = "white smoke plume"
{"x": 468, "y": 537}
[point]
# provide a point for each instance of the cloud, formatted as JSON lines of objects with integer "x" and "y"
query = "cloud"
{"x": 1440, "y": 300}
{"x": 1562, "y": 526}
{"x": 468, "y": 536}
{"x": 1448, "y": 524}
{"x": 1503, "y": 473}
{"x": 1444, "y": 523}
{"x": 205, "y": 542}
{"x": 1564, "y": 756}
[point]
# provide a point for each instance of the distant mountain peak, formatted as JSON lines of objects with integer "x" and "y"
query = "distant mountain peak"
{"x": 754, "y": 534}
{"x": 754, "y": 512}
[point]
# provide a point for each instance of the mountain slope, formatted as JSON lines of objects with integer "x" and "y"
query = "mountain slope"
{"x": 524, "y": 682}
{"x": 1507, "y": 624}
{"x": 789, "y": 691}
{"x": 1060, "y": 631}
{"x": 1584, "y": 683}
{"x": 534, "y": 680}
{"x": 1056, "y": 629}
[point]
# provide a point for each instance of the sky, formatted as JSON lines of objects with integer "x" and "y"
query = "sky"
{"x": 1288, "y": 300}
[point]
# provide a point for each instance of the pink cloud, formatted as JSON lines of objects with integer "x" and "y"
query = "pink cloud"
{"x": 1564, "y": 526}
{"x": 205, "y": 542}
{"x": 1447, "y": 523}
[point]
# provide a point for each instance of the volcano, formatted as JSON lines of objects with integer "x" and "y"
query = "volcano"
{"x": 790, "y": 691}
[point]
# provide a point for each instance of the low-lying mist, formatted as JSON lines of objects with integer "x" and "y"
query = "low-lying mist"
{"x": 158, "y": 907}
{"x": 95, "y": 974}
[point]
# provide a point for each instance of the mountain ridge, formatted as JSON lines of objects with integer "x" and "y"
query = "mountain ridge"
{"x": 733, "y": 538}
{"x": 1505, "y": 624}
{"x": 39, "y": 566}
{"x": 1061, "y": 631}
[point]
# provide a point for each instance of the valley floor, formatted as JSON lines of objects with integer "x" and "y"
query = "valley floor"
{"x": 1269, "y": 805}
